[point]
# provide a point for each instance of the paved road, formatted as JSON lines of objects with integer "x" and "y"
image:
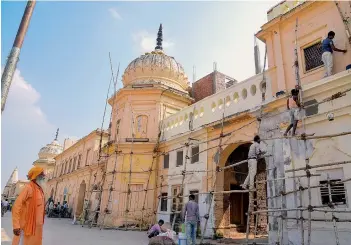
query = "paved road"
{"x": 58, "y": 232}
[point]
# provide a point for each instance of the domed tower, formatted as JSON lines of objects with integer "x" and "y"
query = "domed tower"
{"x": 47, "y": 154}
{"x": 154, "y": 87}
{"x": 156, "y": 68}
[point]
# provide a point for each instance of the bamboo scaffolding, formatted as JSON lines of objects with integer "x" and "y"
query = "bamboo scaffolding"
{"x": 116, "y": 139}
{"x": 301, "y": 213}
{"x": 154, "y": 157}
{"x": 328, "y": 99}
{"x": 130, "y": 168}
{"x": 187, "y": 147}
{"x": 332, "y": 213}
{"x": 299, "y": 209}
{"x": 318, "y": 166}
{"x": 257, "y": 217}
{"x": 207, "y": 216}
{"x": 243, "y": 191}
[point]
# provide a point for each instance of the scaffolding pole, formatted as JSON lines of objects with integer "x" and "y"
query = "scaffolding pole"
{"x": 187, "y": 147}
{"x": 130, "y": 168}
{"x": 211, "y": 194}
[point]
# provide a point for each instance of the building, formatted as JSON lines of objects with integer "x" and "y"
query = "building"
{"x": 77, "y": 167}
{"x": 211, "y": 84}
{"x": 164, "y": 145}
{"x": 8, "y": 189}
{"x": 315, "y": 20}
{"x": 47, "y": 155}
{"x": 13, "y": 187}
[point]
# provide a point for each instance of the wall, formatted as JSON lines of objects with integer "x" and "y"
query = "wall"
{"x": 315, "y": 20}
{"x": 155, "y": 103}
{"x": 73, "y": 177}
{"x": 209, "y": 85}
{"x": 195, "y": 181}
{"x": 241, "y": 97}
{"x": 291, "y": 153}
{"x": 203, "y": 87}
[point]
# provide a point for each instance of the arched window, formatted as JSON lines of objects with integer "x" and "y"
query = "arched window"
{"x": 141, "y": 126}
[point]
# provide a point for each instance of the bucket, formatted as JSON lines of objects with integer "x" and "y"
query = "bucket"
{"x": 182, "y": 240}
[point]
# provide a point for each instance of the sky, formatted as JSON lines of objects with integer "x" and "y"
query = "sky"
{"x": 63, "y": 73}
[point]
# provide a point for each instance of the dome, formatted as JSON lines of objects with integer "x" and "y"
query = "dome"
{"x": 50, "y": 150}
{"x": 156, "y": 68}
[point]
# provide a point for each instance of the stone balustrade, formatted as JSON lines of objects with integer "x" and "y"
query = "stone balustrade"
{"x": 240, "y": 97}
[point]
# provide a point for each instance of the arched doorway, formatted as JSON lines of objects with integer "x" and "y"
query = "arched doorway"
{"x": 235, "y": 205}
{"x": 52, "y": 193}
{"x": 65, "y": 195}
{"x": 81, "y": 195}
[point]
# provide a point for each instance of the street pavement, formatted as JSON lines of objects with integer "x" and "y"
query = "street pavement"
{"x": 61, "y": 231}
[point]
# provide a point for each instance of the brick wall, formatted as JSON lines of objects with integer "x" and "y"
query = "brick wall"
{"x": 220, "y": 81}
{"x": 208, "y": 85}
{"x": 203, "y": 87}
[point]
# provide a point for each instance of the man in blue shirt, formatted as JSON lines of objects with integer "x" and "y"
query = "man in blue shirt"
{"x": 327, "y": 53}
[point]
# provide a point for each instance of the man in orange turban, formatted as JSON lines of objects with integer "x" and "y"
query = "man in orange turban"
{"x": 28, "y": 211}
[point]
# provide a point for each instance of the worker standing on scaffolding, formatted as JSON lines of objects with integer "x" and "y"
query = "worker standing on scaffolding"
{"x": 294, "y": 107}
{"x": 255, "y": 152}
{"x": 327, "y": 53}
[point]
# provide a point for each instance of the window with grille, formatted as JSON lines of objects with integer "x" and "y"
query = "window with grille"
{"x": 313, "y": 56}
{"x": 179, "y": 158}
{"x": 177, "y": 201}
{"x": 337, "y": 192}
{"x": 195, "y": 154}
{"x": 164, "y": 202}
{"x": 166, "y": 161}
{"x": 195, "y": 192}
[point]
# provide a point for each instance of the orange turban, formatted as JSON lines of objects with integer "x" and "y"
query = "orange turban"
{"x": 35, "y": 172}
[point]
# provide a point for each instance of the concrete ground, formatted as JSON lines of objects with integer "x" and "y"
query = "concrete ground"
{"x": 58, "y": 232}
{"x": 61, "y": 231}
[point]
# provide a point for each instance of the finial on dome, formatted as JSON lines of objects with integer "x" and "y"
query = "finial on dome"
{"x": 57, "y": 132}
{"x": 159, "y": 39}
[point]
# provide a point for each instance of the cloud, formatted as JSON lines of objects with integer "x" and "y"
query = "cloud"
{"x": 22, "y": 103}
{"x": 114, "y": 14}
{"x": 146, "y": 42}
{"x": 25, "y": 128}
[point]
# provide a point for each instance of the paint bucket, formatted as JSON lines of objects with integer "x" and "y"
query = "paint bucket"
{"x": 182, "y": 240}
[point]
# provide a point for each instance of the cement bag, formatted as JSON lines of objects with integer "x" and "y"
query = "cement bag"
{"x": 161, "y": 240}
{"x": 169, "y": 233}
